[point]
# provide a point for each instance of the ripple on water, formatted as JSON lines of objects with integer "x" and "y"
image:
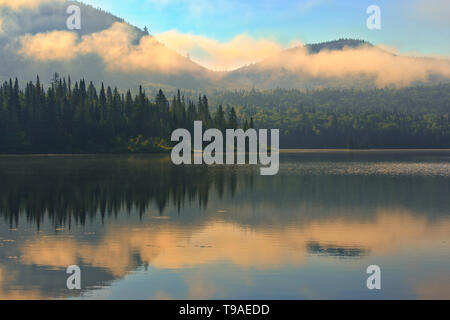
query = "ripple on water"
{"x": 368, "y": 168}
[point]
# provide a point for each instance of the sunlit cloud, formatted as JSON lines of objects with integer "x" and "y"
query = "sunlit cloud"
{"x": 25, "y": 4}
{"x": 117, "y": 49}
{"x": 114, "y": 45}
{"x": 215, "y": 55}
{"x": 385, "y": 67}
{"x": 55, "y": 45}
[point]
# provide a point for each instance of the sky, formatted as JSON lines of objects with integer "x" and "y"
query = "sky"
{"x": 418, "y": 26}
{"x": 229, "y": 34}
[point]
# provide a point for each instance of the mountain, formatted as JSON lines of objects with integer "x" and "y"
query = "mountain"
{"x": 343, "y": 63}
{"x": 340, "y": 44}
{"x": 275, "y": 72}
{"x": 49, "y": 19}
{"x": 109, "y": 49}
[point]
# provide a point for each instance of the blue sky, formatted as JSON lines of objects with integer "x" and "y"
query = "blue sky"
{"x": 421, "y": 26}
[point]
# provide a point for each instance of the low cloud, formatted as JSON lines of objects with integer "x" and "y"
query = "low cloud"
{"x": 165, "y": 52}
{"x": 115, "y": 46}
{"x": 385, "y": 67}
{"x": 220, "y": 56}
{"x": 25, "y": 4}
{"x": 55, "y": 45}
{"x": 120, "y": 50}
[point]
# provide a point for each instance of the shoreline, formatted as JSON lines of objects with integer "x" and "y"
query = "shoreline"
{"x": 285, "y": 151}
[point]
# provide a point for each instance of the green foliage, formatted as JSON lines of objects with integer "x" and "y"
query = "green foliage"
{"x": 152, "y": 145}
{"x": 66, "y": 118}
{"x": 414, "y": 117}
{"x": 336, "y": 45}
{"x": 78, "y": 119}
{"x": 232, "y": 119}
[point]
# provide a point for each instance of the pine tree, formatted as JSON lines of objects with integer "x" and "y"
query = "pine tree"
{"x": 246, "y": 126}
{"x": 219, "y": 119}
{"x": 232, "y": 119}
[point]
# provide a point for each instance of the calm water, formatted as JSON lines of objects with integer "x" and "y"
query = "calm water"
{"x": 141, "y": 228}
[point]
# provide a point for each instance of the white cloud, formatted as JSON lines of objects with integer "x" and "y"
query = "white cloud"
{"x": 22, "y": 4}
{"x": 215, "y": 55}
{"x": 114, "y": 45}
{"x": 386, "y": 68}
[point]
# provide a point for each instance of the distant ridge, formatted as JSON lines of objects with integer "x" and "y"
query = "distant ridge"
{"x": 337, "y": 45}
{"x": 189, "y": 75}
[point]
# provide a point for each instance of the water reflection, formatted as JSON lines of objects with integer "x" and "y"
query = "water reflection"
{"x": 142, "y": 228}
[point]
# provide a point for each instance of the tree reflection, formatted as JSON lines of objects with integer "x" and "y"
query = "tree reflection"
{"x": 75, "y": 189}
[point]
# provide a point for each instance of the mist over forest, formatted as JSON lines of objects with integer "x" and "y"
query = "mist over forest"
{"x": 134, "y": 90}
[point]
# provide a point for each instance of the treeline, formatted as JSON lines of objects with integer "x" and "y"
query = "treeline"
{"x": 435, "y": 98}
{"x": 358, "y": 130}
{"x": 413, "y": 117}
{"x": 79, "y": 118}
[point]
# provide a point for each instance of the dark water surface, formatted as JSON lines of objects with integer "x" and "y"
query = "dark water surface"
{"x": 141, "y": 228}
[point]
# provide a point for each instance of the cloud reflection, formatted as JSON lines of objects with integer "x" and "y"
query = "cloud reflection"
{"x": 168, "y": 246}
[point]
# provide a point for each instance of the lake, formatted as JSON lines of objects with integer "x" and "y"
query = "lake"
{"x": 141, "y": 228}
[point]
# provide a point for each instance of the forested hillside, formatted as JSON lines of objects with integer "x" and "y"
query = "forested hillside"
{"x": 336, "y": 45}
{"x": 412, "y": 117}
{"x": 77, "y": 117}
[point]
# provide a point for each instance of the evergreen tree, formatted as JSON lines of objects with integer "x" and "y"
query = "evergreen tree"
{"x": 252, "y": 125}
{"x": 66, "y": 118}
{"x": 232, "y": 119}
{"x": 219, "y": 119}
